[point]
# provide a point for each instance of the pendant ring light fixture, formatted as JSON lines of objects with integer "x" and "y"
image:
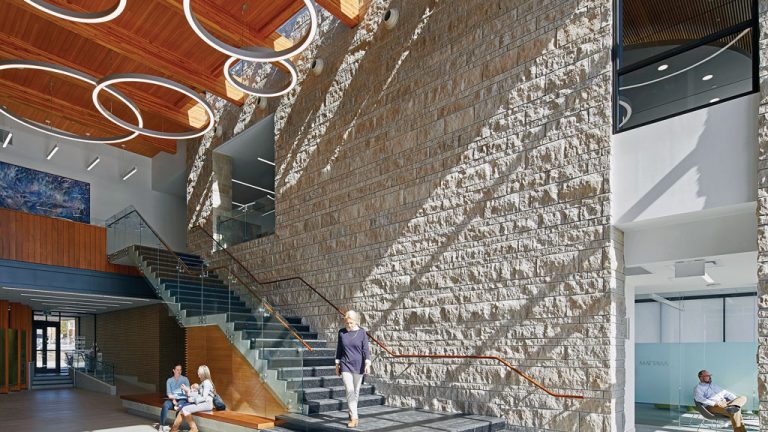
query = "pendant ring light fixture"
{"x": 105, "y": 82}
{"x": 82, "y": 17}
{"x": 257, "y": 54}
{"x": 263, "y": 92}
{"x": 72, "y": 73}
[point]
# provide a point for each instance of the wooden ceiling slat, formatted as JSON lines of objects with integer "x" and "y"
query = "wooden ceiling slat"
{"x": 349, "y": 12}
{"x": 13, "y": 48}
{"x": 660, "y": 22}
{"x": 150, "y": 37}
{"x": 130, "y": 45}
{"x": 90, "y": 121}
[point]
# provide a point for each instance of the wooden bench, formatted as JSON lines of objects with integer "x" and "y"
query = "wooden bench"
{"x": 150, "y": 404}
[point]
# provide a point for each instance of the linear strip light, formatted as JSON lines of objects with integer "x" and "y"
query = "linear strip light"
{"x": 79, "y": 300}
{"x": 129, "y": 173}
{"x": 271, "y": 197}
{"x": 93, "y": 163}
{"x": 73, "y": 303}
{"x": 52, "y": 152}
{"x": 72, "y": 307}
{"x": 7, "y": 140}
{"x": 266, "y": 161}
{"x": 252, "y": 186}
{"x": 271, "y": 211}
{"x": 74, "y": 294}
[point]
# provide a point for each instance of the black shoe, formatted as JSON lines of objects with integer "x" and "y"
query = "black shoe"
{"x": 732, "y": 409}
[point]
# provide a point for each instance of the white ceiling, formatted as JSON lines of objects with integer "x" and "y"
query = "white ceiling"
{"x": 71, "y": 303}
{"x": 731, "y": 273}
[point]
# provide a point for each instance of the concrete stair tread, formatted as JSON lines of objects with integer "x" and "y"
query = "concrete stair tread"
{"x": 334, "y": 388}
{"x": 387, "y": 418}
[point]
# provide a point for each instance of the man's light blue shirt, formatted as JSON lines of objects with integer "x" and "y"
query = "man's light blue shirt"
{"x": 173, "y": 387}
{"x": 710, "y": 394}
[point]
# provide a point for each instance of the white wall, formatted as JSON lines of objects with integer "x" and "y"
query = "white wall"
{"x": 109, "y": 194}
{"x": 701, "y": 160}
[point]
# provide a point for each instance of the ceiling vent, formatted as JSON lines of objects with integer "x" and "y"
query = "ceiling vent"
{"x": 688, "y": 270}
{"x": 636, "y": 271}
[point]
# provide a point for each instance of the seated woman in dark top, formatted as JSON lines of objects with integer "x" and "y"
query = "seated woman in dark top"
{"x": 353, "y": 360}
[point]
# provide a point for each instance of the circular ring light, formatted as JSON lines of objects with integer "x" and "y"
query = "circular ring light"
{"x": 82, "y": 17}
{"x": 263, "y": 92}
{"x": 105, "y": 82}
{"x": 72, "y": 73}
{"x": 257, "y": 54}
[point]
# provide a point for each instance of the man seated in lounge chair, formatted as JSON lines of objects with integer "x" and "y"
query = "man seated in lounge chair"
{"x": 719, "y": 401}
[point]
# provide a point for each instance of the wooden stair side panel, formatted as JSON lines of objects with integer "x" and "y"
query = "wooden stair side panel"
{"x": 237, "y": 382}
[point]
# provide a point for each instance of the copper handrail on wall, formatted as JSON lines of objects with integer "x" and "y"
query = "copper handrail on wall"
{"x": 384, "y": 347}
{"x": 266, "y": 305}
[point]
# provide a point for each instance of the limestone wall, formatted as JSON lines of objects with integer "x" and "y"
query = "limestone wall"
{"x": 762, "y": 224}
{"x": 449, "y": 179}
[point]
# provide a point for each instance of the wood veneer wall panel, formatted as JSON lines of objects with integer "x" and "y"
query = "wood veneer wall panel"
{"x": 4, "y": 340}
{"x": 235, "y": 379}
{"x": 58, "y": 242}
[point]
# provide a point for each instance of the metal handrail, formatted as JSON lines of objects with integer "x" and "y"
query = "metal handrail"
{"x": 384, "y": 347}
{"x": 266, "y": 305}
{"x": 183, "y": 264}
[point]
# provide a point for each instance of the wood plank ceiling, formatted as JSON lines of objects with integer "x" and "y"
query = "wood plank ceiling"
{"x": 149, "y": 37}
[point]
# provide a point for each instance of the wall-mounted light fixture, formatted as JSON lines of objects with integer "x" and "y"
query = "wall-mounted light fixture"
{"x": 52, "y": 152}
{"x": 390, "y": 18}
{"x": 317, "y": 66}
{"x": 93, "y": 163}
{"x": 129, "y": 173}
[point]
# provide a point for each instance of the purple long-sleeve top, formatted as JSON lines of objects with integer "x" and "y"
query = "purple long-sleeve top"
{"x": 352, "y": 350}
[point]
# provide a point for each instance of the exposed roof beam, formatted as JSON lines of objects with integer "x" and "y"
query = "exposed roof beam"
{"x": 169, "y": 63}
{"x": 348, "y": 11}
{"x": 74, "y": 113}
{"x": 13, "y": 48}
{"x": 226, "y": 27}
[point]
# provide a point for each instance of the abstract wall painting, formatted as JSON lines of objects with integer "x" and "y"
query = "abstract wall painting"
{"x": 37, "y": 192}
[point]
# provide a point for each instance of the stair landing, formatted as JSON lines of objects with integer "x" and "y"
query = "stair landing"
{"x": 386, "y": 418}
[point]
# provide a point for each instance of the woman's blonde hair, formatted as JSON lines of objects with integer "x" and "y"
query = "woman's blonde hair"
{"x": 204, "y": 373}
{"x": 354, "y": 316}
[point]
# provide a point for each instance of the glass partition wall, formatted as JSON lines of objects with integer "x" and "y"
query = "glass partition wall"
{"x": 676, "y": 337}
{"x": 675, "y": 56}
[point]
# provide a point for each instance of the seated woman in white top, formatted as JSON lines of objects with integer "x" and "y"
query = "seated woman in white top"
{"x": 202, "y": 400}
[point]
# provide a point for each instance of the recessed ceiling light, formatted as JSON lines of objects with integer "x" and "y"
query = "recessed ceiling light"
{"x": 663, "y": 67}
{"x": 714, "y": 100}
{"x": 7, "y": 140}
{"x": 252, "y": 186}
{"x": 129, "y": 173}
{"x": 707, "y": 77}
{"x": 93, "y": 163}
{"x": 52, "y": 152}
{"x": 266, "y": 161}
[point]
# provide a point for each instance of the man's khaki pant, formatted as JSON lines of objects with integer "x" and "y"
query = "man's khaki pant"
{"x": 736, "y": 420}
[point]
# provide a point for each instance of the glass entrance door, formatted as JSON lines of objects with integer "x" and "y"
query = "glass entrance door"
{"x": 47, "y": 347}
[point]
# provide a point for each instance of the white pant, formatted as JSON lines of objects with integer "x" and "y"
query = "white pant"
{"x": 352, "y": 382}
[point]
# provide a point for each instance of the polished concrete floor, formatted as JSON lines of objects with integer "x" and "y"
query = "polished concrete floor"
{"x": 67, "y": 410}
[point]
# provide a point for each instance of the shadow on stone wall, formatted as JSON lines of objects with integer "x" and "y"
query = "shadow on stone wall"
{"x": 453, "y": 187}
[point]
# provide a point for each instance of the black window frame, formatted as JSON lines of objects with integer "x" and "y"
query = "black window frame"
{"x": 753, "y": 23}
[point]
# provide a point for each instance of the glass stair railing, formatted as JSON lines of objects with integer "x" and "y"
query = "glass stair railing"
{"x": 89, "y": 365}
{"x": 198, "y": 294}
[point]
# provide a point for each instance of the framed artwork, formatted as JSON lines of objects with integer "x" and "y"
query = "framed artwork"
{"x": 37, "y": 192}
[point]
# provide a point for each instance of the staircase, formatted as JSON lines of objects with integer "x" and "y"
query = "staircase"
{"x": 304, "y": 380}
{"x": 51, "y": 381}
